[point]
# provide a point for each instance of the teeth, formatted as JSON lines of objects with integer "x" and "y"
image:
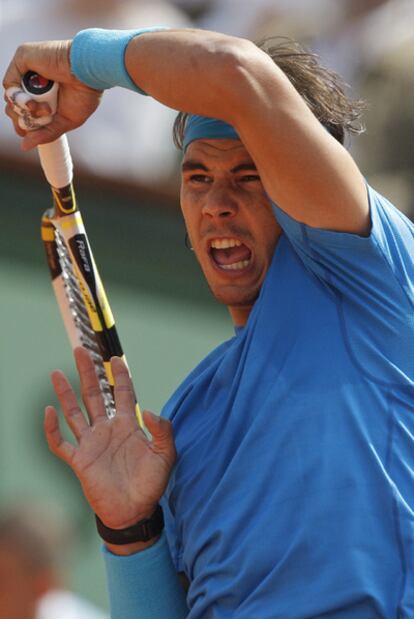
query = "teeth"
{"x": 236, "y": 266}
{"x": 225, "y": 243}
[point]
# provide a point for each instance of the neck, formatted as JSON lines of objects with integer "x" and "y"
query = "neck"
{"x": 240, "y": 315}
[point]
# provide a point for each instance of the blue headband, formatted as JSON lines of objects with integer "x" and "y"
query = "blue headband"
{"x": 201, "y": 127}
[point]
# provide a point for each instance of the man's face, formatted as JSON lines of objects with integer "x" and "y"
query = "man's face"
{"x": 229, "y": 220}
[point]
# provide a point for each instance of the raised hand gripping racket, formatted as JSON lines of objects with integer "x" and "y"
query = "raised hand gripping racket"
{"x": 78, "y": 288}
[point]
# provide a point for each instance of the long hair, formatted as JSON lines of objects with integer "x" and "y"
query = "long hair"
{"x": 324, "y": 91}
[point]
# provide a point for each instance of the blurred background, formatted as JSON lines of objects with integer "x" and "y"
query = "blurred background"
{"x": 127, "y": 185}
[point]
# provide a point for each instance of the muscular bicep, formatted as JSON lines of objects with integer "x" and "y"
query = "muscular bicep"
{"x": 303, "y": 168}
{"x": 306, "y": 171}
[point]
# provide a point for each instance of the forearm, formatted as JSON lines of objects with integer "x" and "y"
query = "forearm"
{"x": 231, "y": 79}
{"x": 145, "y": 585}
{"x": 190, "y": 70}
{"x": 197, "y": 71}
{"x": 130, "y": 549}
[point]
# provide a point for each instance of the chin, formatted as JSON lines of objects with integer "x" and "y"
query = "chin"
{"x": 236, "y": 299}
{"x": 235, "y": 292}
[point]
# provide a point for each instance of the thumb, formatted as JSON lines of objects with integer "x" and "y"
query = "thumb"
{"x": 44, "y": 134}
{"x": 161, "y": 432}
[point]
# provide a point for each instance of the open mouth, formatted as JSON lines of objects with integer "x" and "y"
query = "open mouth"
{"x": 230, "y": 254}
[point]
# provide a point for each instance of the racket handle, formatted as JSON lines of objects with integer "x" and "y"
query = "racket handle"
{"x": 55, "y": 157}
{"x": 56, "y": 162}
{"x": 40, "y": 89}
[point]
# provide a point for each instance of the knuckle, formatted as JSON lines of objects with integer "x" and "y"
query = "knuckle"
{"x": 63, "y": 391}
{"x": 22, "y": 49}
{"x": 91, "y": 392}
{"x": 73, "y": 411}
{"x": 121, "y": 369}
{"x": 123, "y": 389}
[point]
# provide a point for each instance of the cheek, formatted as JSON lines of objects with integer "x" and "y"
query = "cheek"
{"x": 266, "y": 228}
{"x": 191, "y": 219}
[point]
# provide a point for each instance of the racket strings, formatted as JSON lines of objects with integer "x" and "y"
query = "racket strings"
{"x": 80, "y": 317}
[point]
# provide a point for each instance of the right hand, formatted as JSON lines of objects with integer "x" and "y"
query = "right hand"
{"x": 122, "y": 473}
{"x": 76, "y": 103}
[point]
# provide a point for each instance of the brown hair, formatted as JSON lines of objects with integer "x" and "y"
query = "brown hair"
{"x": 323, "y": 90}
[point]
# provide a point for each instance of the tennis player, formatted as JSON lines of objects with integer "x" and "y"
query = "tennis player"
{"x": 288, "y": 488}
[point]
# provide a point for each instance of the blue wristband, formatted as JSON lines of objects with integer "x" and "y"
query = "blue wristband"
{"x": 97, "y": 57}
{"x": 145, "y": 584}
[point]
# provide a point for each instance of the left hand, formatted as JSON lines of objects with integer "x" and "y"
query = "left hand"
{"x": 123, "y": 474}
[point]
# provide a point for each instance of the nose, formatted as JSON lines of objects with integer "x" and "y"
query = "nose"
{"x": 220, "y": 202}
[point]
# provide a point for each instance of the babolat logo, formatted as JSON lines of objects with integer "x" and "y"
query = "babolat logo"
{"x": 80, "y": 249}
{"x": 80, "y": 243}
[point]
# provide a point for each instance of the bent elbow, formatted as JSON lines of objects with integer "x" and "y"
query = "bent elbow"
{"x": 231, "y": 65}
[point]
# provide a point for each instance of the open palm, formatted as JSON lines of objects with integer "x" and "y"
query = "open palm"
{"x": 122, "y": 473}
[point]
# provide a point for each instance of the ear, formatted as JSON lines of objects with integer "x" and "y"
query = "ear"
{"x": 187, "y": 242}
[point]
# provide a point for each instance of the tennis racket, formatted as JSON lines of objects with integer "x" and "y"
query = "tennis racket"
{"x": 78, "y": 288}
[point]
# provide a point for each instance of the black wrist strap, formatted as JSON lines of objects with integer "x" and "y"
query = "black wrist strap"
{"x": 142, "y": 531}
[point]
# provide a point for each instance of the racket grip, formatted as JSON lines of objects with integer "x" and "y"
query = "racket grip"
{"x": 56, "y": 162}
{"x": 55, "y": 156}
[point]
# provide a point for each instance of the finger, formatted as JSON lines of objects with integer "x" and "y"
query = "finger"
{"x": 15, "y": 119}
{"x": 39, "y": 109}
{"x": 57, "y": 445}
{"x": 11, "y": 112}
{"x": 162, "y": 434}
{"x": 68, "y": 400}
{"x": 45, "y": 134}
{"x": 91, "y": 390}
{"x": 124, "y": 395}
{"x": 47, "y": 58}
{"x": 12, "y": 77}
{"x": 29, "y": 123}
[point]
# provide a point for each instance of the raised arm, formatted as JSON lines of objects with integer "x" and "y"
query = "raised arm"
{"x": 303, "y": 168}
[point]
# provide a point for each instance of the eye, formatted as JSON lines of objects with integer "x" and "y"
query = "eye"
{"x": 250, "y": 178}
{"x": 200, "y": 178}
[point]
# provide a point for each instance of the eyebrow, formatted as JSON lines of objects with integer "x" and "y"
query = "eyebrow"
{"x": 190, "y": 165}
{"x": 244, "y": 167}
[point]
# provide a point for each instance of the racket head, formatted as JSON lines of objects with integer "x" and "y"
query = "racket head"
{"x": 72, "y": 306}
